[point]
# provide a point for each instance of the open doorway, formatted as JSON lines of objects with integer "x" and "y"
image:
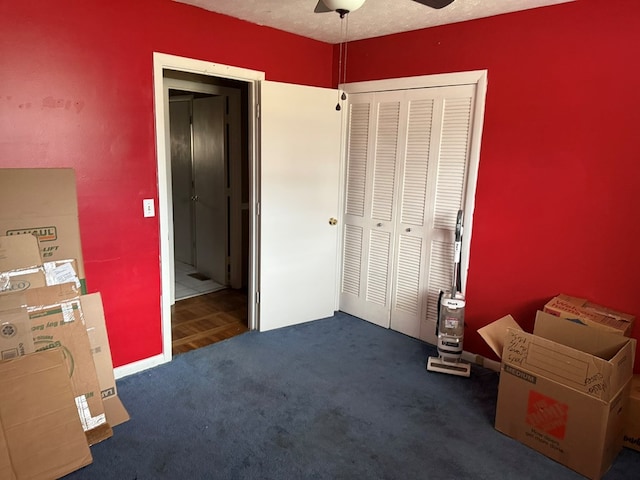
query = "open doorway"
{"x": 248, "y": 80}
{"x": 294, "y": 173}
{"x": 209, "y": 196}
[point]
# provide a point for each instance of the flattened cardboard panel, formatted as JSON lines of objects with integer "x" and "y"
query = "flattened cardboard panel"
{"x": 21, "y": 251}
{"x": 43, "y": 202}
{"x": 22, "y": 279}
{"x": 20, "y": 263}
{"x": 116, "y": 413}
{"x": 99, "y": 433}
{"x": 56, "y": 320}
{"x": 41, "y": 435}
{"x": 58, "y": 272}
{"x": 97, "y": 331}
{"x": 15, "y": 333}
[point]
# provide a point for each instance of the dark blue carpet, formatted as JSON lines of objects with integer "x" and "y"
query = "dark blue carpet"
{"x": 337, "y": 398}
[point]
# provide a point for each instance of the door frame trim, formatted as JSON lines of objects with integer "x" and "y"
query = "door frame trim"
{"x": 161, "y": 62}
{"x": 479, "y": 78}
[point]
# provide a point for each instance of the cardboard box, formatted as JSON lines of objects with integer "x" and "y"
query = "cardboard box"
{"x": 20, "y": 264}
{"x": 563, "y": 391}
{"x": 19, "y": 252}
{"x": 43, "y": 202}
{"x": 97, "y": 331}
{"x": 57, "y": 272}
{"x": 591, "y": 314}
{"x": 15, "y": 333}
{"x": 495, "y": 333}
{"x": 41, "y": 436}
{"x": 56, "y": 319}
{"x": 632, "y": 425}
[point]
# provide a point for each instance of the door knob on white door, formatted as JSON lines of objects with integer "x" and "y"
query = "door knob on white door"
{"x": 333, "y": 221}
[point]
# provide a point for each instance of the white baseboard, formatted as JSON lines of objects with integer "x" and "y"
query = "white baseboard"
{"x": 139, "y": 366}
{"x": 147, "y": 363}
{"x": 471, "y": 357}
{"x": 491, "y": 365}
{"x": 480, "y": 360}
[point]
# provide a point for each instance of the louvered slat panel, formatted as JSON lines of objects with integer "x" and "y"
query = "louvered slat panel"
{"x": 377, "y": 271}
{"x": 385, "y": 160}
{"x": 351, "y": 260}
{"x": 453, "y": 160}
{"x": 408, "y": 276}
{"x": 440, "y": 275}
{"x": 414, "y": 185}
{"x": 357, "y": 158}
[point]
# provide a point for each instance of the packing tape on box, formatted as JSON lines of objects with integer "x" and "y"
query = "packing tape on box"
{"x": 88, "y": 422}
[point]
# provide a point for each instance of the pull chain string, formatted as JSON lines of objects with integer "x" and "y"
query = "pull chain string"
{"x": 342, "y": 36}
{"x": 346, "y": 44}
{"x": 342, "y": 72}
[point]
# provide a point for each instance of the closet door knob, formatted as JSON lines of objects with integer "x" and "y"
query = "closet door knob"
{"x": 379, "y": 225}
{"x": 408, "y": 230}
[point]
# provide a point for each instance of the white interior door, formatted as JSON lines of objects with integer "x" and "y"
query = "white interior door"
{"x": 300, "y": 174}
{"x": 431, "y": 190}
{"x": 369, "y": 208}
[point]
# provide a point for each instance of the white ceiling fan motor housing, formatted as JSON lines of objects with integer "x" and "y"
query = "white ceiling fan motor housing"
{"x": 348, "y": 5}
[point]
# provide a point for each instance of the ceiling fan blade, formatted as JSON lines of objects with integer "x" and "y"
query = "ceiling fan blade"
{"x": 321, "y": 8}
{"x": 434, "y": 3}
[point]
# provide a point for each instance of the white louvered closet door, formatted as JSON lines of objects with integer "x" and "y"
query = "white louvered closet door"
{"x": 401, "y": 207}
{"x": 369, "y": 222}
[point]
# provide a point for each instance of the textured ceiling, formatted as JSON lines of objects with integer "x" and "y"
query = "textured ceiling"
{"x": 374, "y": 19}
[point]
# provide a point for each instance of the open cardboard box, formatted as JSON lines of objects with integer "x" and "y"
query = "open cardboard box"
{"x": 632, "y": 425}
{"x": 591, "y": 314}
{"x": 563, "y": 389}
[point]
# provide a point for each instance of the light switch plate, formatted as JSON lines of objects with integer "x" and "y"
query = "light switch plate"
{"x": 148, "y": 207}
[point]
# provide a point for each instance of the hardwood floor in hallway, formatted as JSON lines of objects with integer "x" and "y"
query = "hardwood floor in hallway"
{"x": 206, "y": 319}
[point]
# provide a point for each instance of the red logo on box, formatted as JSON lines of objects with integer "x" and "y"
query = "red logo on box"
{"x": 547, "y": 414}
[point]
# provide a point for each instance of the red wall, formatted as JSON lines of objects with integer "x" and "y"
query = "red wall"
{"x": 554, "y": 207}
{"x": 557, "y": 207}
{"x": 76, "y": 90}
